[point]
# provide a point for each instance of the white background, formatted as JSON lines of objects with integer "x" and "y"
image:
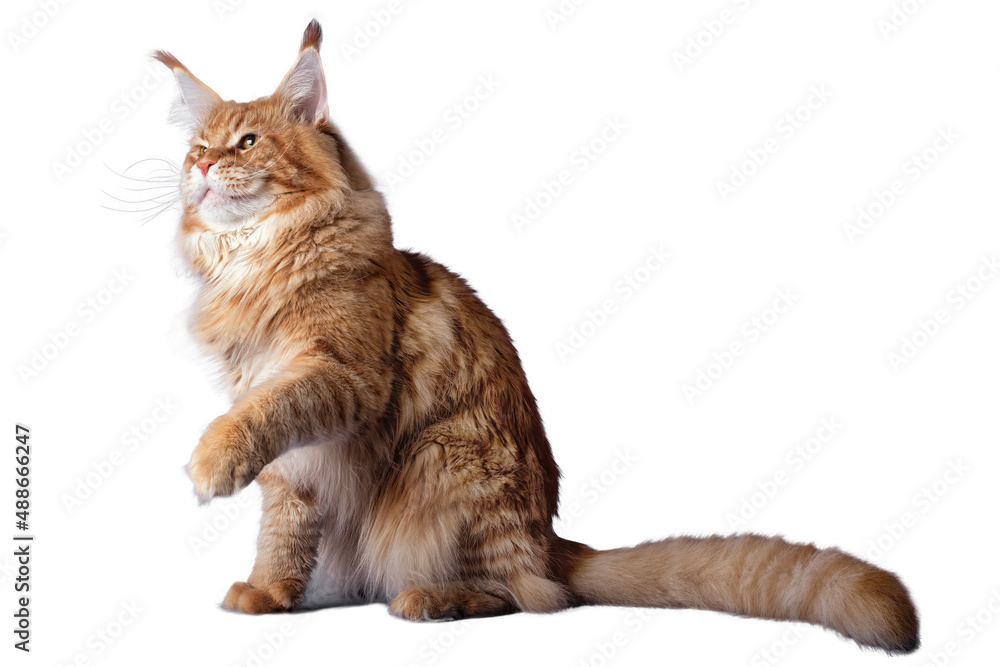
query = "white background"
{"x": 133, "y": 540}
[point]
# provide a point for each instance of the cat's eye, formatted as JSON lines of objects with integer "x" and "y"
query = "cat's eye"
{"x": 202, "y": 150}
{"x": 248, "y": 141}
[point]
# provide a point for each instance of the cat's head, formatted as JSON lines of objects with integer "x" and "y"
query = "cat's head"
{"x": 248, "y": 159}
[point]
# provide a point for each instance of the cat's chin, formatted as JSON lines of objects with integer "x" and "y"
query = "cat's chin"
{"x": 225, "y": 212}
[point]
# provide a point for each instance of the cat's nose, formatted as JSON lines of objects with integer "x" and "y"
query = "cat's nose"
{"x": 204, "y": 165}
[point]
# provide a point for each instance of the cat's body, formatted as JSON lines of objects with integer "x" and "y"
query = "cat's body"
{"x": 383, "y": 410}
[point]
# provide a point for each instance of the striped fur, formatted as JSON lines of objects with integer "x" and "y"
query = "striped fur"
{"x": 383, "y": 410}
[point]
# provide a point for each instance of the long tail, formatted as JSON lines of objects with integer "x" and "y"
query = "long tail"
{"x": 752, "y": 575}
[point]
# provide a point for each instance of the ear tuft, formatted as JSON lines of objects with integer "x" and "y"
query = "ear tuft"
{"x": 196, "y": 101}
{"x": 312, "y": 37}
{"x": 167, "y": 59}
{"x": 304, "y": 87}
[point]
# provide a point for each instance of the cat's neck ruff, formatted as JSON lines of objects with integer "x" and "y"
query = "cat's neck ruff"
{"x": 237, "y": 259}
{"x": 245, "y": 234}
{"x": 216, "y": 251}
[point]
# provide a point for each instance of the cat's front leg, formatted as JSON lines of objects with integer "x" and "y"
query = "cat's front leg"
{"x": 314, "y": 397}
{"x": 286, "y": 549}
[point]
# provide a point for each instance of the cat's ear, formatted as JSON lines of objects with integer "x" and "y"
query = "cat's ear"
{"x": 304, "y": 87}
{"x": 196, "y": 100}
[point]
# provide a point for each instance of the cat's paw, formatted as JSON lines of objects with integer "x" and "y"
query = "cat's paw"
{"x": 244, "y": 598}
{"x": 224, "y": 461}
{"x": 420, "y": 604}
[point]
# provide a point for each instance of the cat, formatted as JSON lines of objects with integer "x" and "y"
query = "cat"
{"x": 384, "y": 412}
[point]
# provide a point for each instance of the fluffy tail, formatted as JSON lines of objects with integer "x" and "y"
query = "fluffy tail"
{"x": 751, "y": 575}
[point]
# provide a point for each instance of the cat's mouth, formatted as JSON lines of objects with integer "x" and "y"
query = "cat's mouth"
{"x": 222, "y": 204}
{"x": 209, "y": 191}
{"x": 219, "y": 197}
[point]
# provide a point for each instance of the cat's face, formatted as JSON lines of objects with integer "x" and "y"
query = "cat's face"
{"x": 246, "y": 158}
{"x": 239, "y": 163}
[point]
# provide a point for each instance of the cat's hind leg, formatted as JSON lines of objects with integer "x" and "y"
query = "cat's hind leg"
{"x": 459, "y": 531}
{"x": 286, "y": 550}
{"x": 441, "y": 602}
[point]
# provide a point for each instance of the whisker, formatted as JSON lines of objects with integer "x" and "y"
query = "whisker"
{"x": 173, "y": 167}
{"x": 157, "y": 199}
{"x": 171, "y": 186}
{"x": 165, "y": 181}
{"x": 161, "y": 181}
{"x": 154, "y": 215}
{"x": 141, "y": 210}
{"x": 147, "y": 180}
{"x": 151, "y": 217}
{"x": 170, "y": 174}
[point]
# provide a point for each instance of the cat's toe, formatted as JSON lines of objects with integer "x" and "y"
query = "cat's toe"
{"x": 222, "y": 463}
{"x": 231, "y": 601}
{"x": 416, "y": 604}
{"x": 244, "y": 598}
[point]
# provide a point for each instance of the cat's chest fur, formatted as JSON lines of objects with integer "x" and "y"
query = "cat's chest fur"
{"x": 248, "y": 352}
{"x": 239, "y": 316}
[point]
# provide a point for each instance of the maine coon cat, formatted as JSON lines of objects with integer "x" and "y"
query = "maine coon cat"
{"x": 383, "y": 410}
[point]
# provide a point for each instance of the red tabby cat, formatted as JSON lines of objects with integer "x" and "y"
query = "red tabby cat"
{"x": 382, "y": 408}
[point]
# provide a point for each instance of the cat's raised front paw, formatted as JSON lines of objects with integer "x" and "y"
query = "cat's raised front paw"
{"x": 224, "y": 461}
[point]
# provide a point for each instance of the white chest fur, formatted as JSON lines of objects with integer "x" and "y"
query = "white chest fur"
{"x": 255, "y": 369}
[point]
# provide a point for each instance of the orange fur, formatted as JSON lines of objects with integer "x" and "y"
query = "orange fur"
{"x": 383, "y": 410}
